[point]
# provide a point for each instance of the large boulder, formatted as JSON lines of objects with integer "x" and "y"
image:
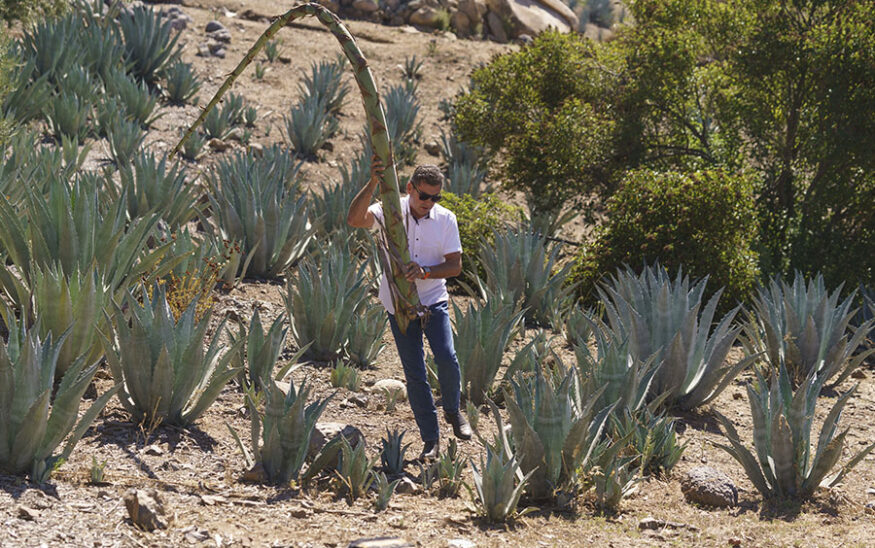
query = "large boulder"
{"x": 535, "y": 16}
{"x": 475, "y": 10}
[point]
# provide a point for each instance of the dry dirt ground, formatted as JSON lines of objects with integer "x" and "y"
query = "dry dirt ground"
{"x": 197, "y": 470}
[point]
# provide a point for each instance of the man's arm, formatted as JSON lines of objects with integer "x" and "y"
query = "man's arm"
{"x": 358, "y": 215}
{"x": 452, "y": 266}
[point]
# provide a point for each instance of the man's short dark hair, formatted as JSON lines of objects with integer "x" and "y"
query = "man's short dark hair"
{"x": 428, "y": 174}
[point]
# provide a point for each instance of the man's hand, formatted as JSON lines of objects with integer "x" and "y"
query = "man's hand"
{"x": 413, "y": 271}
{"x": 377, "y": 169}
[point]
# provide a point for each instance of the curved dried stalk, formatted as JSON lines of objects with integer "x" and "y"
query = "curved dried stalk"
{"x": 407, "y": 300}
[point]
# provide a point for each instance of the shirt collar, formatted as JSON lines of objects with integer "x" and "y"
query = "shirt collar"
{"x": 415, "y": 220}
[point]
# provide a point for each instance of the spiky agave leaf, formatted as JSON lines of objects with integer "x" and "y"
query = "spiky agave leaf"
{"x": 168, "y": 376}
{"x": 662, "y": 318}
{"x": 554, "y": 436}
{"x": 783, "y": 421}
{"x": 497, "y": 488}
{"x": 481, "y": 336}
{"x": 285, "y": 430}
{"x": 392, "y": 452}
{"x": 32, "y": 425}
{"x": 805, "y": 328}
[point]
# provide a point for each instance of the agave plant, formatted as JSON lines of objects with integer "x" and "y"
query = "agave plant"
{"x": 345, "y": 376}
{"x": 614, "y": 476}
{"x": 405, "y": 130}
{"x": 309, "y": 126}
{"x": 281, "y": 434}
{"x": 194, "y": 147}
{"x": 481, "y": 335}
{"x": 330, "y": 207}
{"x": 167, "y": 374}
{"x": 355, "y": 469}
{"x": 782, "y": 425}
{"x": 805, "y": 328}
{"x": 76, "y": 303}
{"x": 69, "y": 116}
{"x": 611, "y": 366}
{"x": 149, "y": 185}
{"x": 125, "y": 138}
{"x": 136, "y": 100}
{"x": 662, "y": 317}
{"x": 554, "y": 436}
{"x": 392, "y": 452}
{"x": 324, "y": 299}
{"x": 466, "y": 169}
{"x": 385, "y": 489}
{"x": 262, "y": 349}
{"x": 182, "y": 83}
{"x": 70, "y": 228}
{"x": 518, "y": 265}
{"x": 364, "y": 340}
{"x": 325, "y": 83}
{"x": 150, "y": 43}
{"x": 253, "y": 200}
{"x": 495, "y": 482}
{"x": 449, "y": 470}
{"x": 32, "y": 423}
{"x": 650, "y": 437}
{"x": 27, "y": 94}
{"x": 50, "y": 43}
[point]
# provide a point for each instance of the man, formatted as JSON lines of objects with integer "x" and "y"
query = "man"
{"x": 436, "y": 254}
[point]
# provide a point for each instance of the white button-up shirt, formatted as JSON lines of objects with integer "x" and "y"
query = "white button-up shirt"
{"x": 429, "y": 239}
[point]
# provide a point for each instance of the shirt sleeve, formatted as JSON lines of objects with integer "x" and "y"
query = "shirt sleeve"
{"x": 377, "y": 210}
{"x": 452, "y": 242}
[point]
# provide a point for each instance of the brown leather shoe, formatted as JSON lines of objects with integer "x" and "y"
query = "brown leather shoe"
{"x": 430, "y": 451}
{"x": 461, "y": 428}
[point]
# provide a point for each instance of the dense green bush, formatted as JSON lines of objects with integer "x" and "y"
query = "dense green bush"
{"x": 478, "y": 220}
{"x": 543, "y": 109}
{"x": 702, "y": 221}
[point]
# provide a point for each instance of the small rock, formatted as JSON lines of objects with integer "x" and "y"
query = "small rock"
{"x": 710, "y": 487}
{"x": 393, "y": 385}
{"x": 653, "y": 524}
{"x": 213, "y": 26}
{"x": 154, "y": 450}
{"x": 223, "y": 36}
{"x": 194, "y": 534}
{"x": 433, "y": 148}
{"x": 734, "y": 541}
{"x": 218, "y": 145}
{"x": 366, "y": 6}
{"x": 379, "y": 542}
{"x": 327, "y": 431}
{"x": 146, "y": 509}
{"x": 649, "y": 523}
{"x": 358, "y": 400}
{"x": 212, "y": 500}
{"x": 256, "y": 474}
{"x": 28, "y": 514}
{"x": 460, "y": 543}
{"x": 737, "y": 395}
{"x": 858, "y": 374}
{"x": 407, "y": 487}
{"x": 257, "y": 149}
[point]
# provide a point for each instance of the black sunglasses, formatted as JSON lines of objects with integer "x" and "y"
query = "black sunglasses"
{"x": 426, "y": 196}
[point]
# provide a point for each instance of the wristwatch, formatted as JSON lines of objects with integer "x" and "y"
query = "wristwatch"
{"x": 426, "y": 272}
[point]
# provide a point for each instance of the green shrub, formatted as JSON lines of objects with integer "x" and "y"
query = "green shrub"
{"x": 478, "y": 219}
{"x": 702, "y": 221}
{"x": 543, "y": 109}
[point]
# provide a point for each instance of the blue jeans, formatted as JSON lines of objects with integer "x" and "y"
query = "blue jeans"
{"x": 440, "y": 339}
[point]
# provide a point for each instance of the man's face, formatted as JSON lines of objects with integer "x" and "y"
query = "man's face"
{"x": 421, "y": 195}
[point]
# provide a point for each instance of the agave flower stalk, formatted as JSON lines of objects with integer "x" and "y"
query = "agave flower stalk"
{"x": 32, "y": 424}
{"x": 782, "y": 424}
{"x": 167, "y": 374}
{"x": 405, "y": 299}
